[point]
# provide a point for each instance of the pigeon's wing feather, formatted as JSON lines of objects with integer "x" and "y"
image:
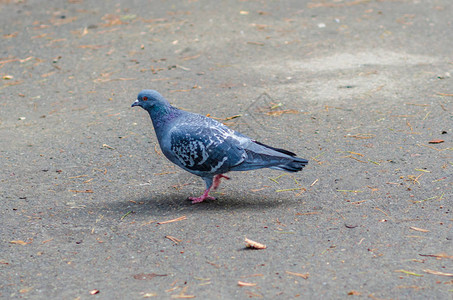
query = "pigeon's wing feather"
{"x": 206, "y": 148}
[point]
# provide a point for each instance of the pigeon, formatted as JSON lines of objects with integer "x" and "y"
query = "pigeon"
{"x": 208, "y": 148}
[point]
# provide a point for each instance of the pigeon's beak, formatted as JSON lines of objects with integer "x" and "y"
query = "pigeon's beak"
{"x": 136, "y": 103}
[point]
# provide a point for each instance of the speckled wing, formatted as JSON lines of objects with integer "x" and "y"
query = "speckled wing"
{"x": 205, "y": 149}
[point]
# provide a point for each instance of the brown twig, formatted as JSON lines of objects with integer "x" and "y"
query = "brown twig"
{"x": 173, "y": 220}
{"x": 173, "y": 239}
{"x": 438, "y": 273}
{"x": 304, "y": 276}
{"x": 242, "y": 283}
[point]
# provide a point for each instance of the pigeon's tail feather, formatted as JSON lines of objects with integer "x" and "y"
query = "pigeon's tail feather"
{"x": 293, "y": 166}
{"x": 276, "y": 149}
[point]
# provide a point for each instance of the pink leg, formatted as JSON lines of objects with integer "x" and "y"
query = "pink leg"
{"x": 217, "y": 178}
{"x": 202, "y": 197}
{"x": 214, "y": 186}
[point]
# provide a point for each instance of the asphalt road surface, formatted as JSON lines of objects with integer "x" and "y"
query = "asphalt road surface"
{"x": 363, "y": 89}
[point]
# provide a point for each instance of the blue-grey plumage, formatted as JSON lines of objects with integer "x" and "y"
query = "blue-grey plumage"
{"x": 206, "y": 147}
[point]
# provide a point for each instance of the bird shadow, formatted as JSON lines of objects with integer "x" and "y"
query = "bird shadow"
{"x": 162, "y": 204}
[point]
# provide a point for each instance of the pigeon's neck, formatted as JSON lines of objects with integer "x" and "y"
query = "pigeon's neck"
{"x": 163, "y": 115}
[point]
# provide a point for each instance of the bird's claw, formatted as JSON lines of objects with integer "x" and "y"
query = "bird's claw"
{"x": 200, "y": 199}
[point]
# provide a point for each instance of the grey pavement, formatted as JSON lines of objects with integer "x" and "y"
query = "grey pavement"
{"x": 363, "y": 89}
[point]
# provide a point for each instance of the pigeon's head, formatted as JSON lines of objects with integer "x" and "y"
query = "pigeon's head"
{"x": 148, "y": 99}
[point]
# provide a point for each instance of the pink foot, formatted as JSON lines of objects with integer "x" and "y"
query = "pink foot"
{"x": 217, "y": 178}
{"x": 202, "y": 197}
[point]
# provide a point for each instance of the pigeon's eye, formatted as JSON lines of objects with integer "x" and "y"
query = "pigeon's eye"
{"x": 145, "y": 98}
